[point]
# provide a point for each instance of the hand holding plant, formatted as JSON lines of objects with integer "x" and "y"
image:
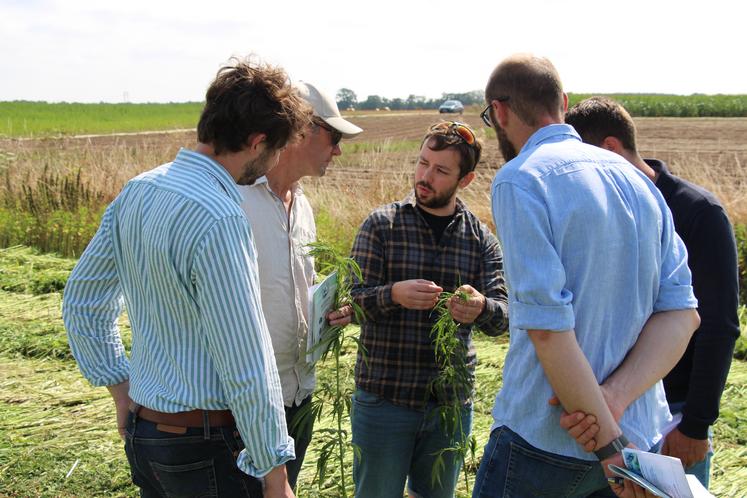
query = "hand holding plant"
{"x": 466, "y": 304}
{"x": 341, "y": 317}
{"x": 416, "y": 294}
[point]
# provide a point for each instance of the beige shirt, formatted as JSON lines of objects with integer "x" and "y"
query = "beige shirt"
{"x": 286, "y": 272}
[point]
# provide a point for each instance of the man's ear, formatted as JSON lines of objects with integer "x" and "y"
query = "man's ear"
{"x": 565, "y": 103}
{"x": 612, "y": 144}
{"x": 500, "y": 111}
{"x": 467, "y": 179}
{"x": 254, "y": 141}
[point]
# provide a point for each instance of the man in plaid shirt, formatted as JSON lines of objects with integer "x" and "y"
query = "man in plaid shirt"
{"x": 409, "y": 252}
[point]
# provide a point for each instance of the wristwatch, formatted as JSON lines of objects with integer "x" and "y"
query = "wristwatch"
{"x": 615, "y": 446}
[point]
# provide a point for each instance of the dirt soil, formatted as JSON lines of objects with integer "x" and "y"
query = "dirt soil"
{"x": 712, "y": 141}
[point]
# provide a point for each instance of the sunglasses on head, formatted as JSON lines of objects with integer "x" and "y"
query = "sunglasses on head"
{"x": 336, "y": 135}
{"x": 461, "y": 130}
{"x": 485, "y": 114}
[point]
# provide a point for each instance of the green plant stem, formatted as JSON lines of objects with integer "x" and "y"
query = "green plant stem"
{"x": 453, "y": 375}
{"x": 330, "y": 260}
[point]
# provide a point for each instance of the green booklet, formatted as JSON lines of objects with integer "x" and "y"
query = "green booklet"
{"x": 321, "y": 302}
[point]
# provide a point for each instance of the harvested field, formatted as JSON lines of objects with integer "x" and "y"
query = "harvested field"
{"x": 708, "y": 151}
{"x": 722, "y": 140}
{"x": 718, "y": 141}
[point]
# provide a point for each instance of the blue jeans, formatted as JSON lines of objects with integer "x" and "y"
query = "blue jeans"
{"x": 396, "y": 442}
{"x": 200, "y": 462}
{"x": 701, "y": 469}
{"x": 511, "y": 467}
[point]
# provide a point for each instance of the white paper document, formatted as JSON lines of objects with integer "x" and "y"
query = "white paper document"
{"x": 662, "y": 475}
{"x": 321, "y": 302}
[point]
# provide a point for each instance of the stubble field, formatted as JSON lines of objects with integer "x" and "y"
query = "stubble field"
{"x": 376, "y": 166}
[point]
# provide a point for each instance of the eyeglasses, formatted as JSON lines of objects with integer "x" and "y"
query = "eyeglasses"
{"x": 461, "y": 130}
{"x": 336, "y": 135}
{"x": 485, "y": 114}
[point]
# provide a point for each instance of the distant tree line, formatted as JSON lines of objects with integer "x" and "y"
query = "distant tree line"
{"x": 638, "y": 104}
{"x": 346, "y": 98}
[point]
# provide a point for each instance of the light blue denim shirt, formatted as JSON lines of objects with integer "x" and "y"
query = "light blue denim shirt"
{"x": 589, "y": 244}
{"x": 177, "y": 249}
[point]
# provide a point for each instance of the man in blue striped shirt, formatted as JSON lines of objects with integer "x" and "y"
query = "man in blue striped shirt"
{"x": 198, "y": 402}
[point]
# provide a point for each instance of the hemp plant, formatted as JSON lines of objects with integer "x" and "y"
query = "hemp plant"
{"x": 333, "y": 398}
{"x": 453, "y": 384}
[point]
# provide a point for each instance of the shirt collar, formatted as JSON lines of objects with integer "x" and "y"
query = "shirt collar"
{"x": 213, "y": 168}
{"x": 548, "y": 133}
{"x": 262, "y": 180}
{"x": 664, "y": 181}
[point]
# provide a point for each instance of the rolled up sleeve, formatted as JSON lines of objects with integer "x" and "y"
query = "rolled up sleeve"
{"x": 539, "y": 299}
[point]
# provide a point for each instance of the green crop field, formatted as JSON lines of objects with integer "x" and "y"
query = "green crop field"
{"x": 40, "y": 119}
{"x": 58, "y": 436}
{"x": 678, "y": 106}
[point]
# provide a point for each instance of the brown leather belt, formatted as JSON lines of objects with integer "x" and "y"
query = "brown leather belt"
{"x": 192, "y": 418}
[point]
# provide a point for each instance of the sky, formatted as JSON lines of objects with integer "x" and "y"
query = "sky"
{"x": 169, "y": 51}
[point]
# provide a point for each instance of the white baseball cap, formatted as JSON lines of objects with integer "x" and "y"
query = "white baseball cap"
{"x": 326, "y": 108}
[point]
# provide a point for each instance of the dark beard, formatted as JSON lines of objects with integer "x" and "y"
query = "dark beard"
{"x": 255, "y": 168}
{"x": 436, "y": 201}
{"x": 508, "y": 151}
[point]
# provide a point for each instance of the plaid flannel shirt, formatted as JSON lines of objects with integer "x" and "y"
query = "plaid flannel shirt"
{"x": 395, "y": 243}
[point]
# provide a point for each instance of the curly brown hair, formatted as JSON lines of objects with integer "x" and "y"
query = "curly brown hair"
{"x": 250, "y": 97}
{"x": 444, "y": 135}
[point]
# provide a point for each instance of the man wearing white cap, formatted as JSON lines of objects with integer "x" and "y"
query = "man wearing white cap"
{"x": 283, "y": 225}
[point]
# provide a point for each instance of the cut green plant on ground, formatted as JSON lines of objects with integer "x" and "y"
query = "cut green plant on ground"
{"x": 58, "y": 435}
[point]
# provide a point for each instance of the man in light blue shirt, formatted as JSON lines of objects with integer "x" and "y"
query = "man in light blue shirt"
{"x": 198, "y": 402}
{"x": 599, "y": 290}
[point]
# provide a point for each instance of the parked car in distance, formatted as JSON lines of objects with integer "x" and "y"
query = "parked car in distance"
{"x": 451, "y": 106}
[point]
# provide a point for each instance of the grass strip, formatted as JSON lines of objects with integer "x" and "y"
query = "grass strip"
{"x": 51, "y": 419}
{"x": 24, "y": 270}
{"x": 31, "y": 326}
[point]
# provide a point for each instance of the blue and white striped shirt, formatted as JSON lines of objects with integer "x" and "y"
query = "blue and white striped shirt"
{"x": 176, "y": 248}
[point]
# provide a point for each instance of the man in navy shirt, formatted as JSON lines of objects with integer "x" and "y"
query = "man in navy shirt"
{"x": 695, "y": 384}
